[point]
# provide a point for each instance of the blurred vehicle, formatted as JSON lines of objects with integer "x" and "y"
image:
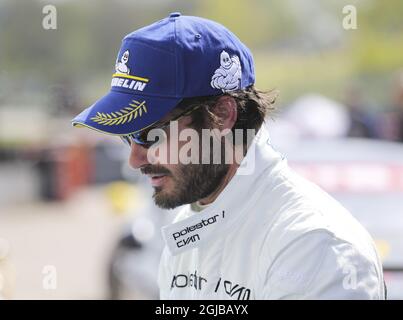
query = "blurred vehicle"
{"x": 366, "y": 176}
{"x": 133, "y": 267}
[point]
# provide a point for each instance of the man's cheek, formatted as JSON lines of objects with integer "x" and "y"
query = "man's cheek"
{"x": 158, "y": 154}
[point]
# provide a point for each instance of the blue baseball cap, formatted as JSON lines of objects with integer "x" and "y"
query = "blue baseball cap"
{"x": 159, "y": 65}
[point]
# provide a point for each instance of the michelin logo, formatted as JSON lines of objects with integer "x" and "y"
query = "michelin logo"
{"x": 122, "y": 77}
{"x": 121, "y": 66}
{"x": 228, "y": 76}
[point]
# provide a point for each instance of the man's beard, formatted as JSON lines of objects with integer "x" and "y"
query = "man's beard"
{"x": 191, "y": 182}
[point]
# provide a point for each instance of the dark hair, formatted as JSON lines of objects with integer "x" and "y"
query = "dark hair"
{"x": 253, "y": 107}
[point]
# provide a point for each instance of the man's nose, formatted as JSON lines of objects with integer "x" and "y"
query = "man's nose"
{"x": 138, "y": 156}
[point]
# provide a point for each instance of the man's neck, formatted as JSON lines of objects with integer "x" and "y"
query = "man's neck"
{"x": 231, "y": 172}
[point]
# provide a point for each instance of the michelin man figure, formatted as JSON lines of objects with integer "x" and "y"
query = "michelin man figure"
{"x": 121, "y": 66}
{"x": 228, "y": 76}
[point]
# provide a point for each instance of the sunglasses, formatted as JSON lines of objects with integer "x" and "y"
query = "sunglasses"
{"x": 141, "y": 138}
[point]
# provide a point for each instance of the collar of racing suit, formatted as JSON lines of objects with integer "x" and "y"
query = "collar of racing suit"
{"x": 232, "y": 205}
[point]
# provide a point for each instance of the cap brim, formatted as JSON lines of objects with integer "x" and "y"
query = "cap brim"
{"x": 120, "y": 113}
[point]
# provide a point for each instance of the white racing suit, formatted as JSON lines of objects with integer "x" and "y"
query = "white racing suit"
{"x": 269, "y": 235}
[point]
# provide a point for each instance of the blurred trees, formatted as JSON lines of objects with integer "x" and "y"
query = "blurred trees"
{"x": 299, "y": 45}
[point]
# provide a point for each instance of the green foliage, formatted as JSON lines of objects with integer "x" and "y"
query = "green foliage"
{"x": 285, "y": 37}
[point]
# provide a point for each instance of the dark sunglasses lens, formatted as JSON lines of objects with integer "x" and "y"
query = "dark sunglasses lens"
{"x": 140, "y": 138}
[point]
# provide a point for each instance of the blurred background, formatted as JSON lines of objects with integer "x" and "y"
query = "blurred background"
{"x": 77, "y": 223}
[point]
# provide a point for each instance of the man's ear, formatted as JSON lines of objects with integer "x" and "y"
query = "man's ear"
{"x": 226, "y": 111}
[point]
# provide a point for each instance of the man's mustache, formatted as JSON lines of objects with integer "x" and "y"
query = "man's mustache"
{"x": 151, "y": 169}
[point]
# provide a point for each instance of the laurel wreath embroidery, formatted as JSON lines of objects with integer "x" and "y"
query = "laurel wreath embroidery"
{"x": 122, "y": 116}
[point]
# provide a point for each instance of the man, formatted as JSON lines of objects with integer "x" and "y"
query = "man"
{"x": 250, "y": 228}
